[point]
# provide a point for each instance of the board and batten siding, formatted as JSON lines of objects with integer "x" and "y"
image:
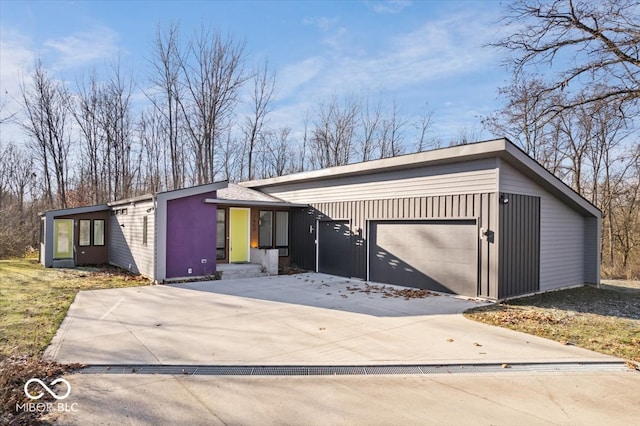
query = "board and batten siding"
{"x": 126, "y": 248}
{"x": 468, "y": 177}
{"x": 477, "y": 206}
{"x": 562, "y": 232}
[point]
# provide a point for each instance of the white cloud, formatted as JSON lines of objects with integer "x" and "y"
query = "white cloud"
{"x": 16, "y": 60}
{"x": 83, "y": 48}
{"x": 389, "y": 6}
{"x": 417, "y": 62}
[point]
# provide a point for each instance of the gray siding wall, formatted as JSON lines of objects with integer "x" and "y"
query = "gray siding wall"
{"x": 562, "y": 232}
{"x": 469, "y": 177}
{"x": 126, "y": 249}
{"x": 481, "y": 206}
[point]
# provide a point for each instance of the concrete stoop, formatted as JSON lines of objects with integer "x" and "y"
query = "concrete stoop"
{"x": 234, "y": 271}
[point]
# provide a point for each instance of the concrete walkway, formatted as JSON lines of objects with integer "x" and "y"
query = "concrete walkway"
{"x": 322, "y": 320}
{"x": 286, "y": 320}
{"x": 502, "y": 399}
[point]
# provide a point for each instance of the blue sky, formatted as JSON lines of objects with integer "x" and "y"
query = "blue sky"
{"x": 414, "y": 52}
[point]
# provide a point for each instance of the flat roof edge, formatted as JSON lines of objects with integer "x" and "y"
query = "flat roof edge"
{"x": 440, "y": 155}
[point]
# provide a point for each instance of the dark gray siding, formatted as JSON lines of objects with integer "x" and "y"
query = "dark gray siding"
{"x": 480, "y": 206}
{"x": 519, "y": 245}
{"x": 591, "y": 250}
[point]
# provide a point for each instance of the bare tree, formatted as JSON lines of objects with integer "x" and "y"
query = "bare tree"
{"x": 47, "y": 108}
{"x": 86, "y": 114}
{"x": 213, "y": 72}
{"x": 390, "y": 143}
{"x": 370, "y": 118}
{"x": 587, "y": 41}
{"x": 166, "y": 99}
{"x": 115, "y": 121}
{"x": 151, "y": 133}
{"x": 264, "y": 83}
{"x": 278, "y": 156}
{"x": 16, "y": 179}
{"x": 333, "y": 133}
{"x": 423, "y": 125}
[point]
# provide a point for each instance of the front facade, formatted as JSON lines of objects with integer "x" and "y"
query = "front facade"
{"x": 479, "y": 220}
{"x": 482, "y": 219}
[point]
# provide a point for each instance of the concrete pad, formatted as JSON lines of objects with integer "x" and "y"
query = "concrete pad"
{"x": 298, "y": 319}
{"x": 502, "y": 399}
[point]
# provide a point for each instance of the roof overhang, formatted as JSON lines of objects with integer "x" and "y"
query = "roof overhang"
{"x": 248, "y": 203}
{"x": 76, "y": 210}
{"x": 501, "y": 148}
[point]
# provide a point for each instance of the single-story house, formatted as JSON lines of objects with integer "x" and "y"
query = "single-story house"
{"x": 171, "y": 235}
{"x": 481, "y": 219}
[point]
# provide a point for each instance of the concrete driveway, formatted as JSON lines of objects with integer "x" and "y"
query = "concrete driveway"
{"x": 301, "y": 319}
{"x": 315, "y": 319}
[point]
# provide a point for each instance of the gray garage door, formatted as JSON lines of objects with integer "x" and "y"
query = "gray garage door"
{"x": 334, "y": 248}
{"x": 434, "y": 255}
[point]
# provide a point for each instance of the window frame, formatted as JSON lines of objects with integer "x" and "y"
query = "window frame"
{"x": 221, "y": 250}
{"x": 87, "y": 241}
{"x": 102, "y": 232}
{"x": 283, "y": 250}
{"x": 270, "y": 229}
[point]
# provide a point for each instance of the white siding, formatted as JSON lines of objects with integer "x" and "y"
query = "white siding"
{"x": 562, "y": 232}
{"x": 469, "y": 177}
{"x": 125, "y": 242}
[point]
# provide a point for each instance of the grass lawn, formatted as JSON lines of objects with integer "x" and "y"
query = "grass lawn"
{"x": 605, "y": 320}
{"x": 34, "y": 301}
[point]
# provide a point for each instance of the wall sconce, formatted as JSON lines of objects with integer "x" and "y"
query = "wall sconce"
{"x": 311, "y": 229}
{"x": 122, "y": 225}
{"x": 504, "y": 199}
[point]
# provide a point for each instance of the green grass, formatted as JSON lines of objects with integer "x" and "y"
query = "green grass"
{"x": 605, "y": 320}
{"x": 34, "y": 300}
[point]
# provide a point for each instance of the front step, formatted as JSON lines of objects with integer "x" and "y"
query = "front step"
{"x": 233, "y": 271}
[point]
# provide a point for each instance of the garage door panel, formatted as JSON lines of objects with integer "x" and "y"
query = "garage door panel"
{"x": 434, "y": 255}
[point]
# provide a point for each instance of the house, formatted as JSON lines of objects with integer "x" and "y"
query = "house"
{"x": 172, "y": 235}
{"x": 482, "y": 219}
{"x": 123, "y": 233}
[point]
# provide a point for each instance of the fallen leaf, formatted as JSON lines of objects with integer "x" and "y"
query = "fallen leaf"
{"x": 476, "y": 344}
{"x": 506, "y": 366}
{"x": 449, "y": 340}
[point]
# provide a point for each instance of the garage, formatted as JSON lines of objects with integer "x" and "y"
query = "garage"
{"x": 334, "y": 247}
{"x": 439, "y": 255}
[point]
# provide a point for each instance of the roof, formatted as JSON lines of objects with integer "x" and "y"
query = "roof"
{"x": 76, "y": 210}
{"x": 502, "y": 148}
{"x": 173, "y": 194}
{"x": 238, "y": 195}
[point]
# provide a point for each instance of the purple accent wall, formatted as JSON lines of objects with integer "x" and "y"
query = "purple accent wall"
{"x": 191, "y": 236}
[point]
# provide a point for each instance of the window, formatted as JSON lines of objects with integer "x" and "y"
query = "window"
{"x": 265, "y": 236}
{"x": 98, "y": 232}
{"x": 282, "y": 233}
{"x": 85, "y": 233}
{"x": 278, "y": 228}
{"x": 145, "y": 230}
{"x": 221, "y": 234}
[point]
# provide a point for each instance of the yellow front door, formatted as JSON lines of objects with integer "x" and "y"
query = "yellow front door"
{"x": 238, "y": 235}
